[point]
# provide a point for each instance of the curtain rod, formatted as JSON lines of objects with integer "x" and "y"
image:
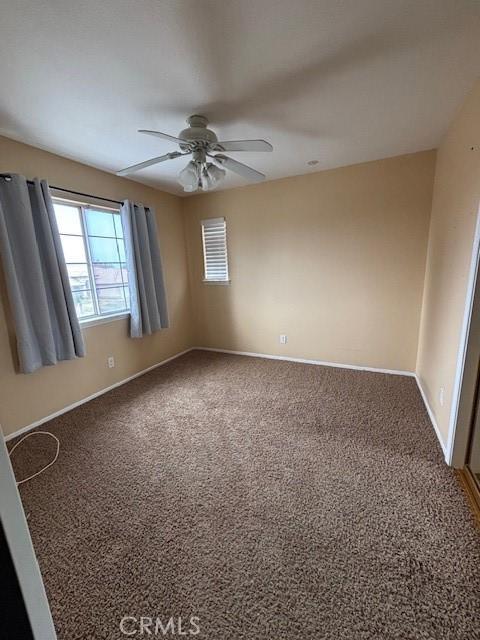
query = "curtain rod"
{"x": 79, "y": 193}
{"x": 76, "y": 193}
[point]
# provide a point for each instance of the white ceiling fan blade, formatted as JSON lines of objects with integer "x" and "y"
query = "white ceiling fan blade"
{"x": 148, "y": 163}
{"x": 242, "y": 145}
{"x": 239, "y": 168}
{"x": 165, "y": 136}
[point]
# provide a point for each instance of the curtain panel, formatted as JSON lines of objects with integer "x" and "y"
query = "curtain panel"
{"x": 46, "y": 324}
{"x": 148, "y": 302}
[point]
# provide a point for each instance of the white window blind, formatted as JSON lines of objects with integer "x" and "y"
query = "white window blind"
{"x": 215, "y": 259}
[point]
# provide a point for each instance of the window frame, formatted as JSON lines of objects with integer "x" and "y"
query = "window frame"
{"x": 97, "y": 317}
{"x": 227, "y": 280}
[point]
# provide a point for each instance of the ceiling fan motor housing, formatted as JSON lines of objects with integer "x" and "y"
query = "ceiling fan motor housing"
{"x": 197, "y": 132}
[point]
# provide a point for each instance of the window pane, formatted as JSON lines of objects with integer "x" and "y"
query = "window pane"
{"x": 111, "y": 300}
{"x": 107, "y": 273}
{"x": 104, "y": 250}
{"x": 73, "y": 249}
{"x": 78, "y": 276}
{"x": 68, "y": 219}
{"x": 121, "y": 250}
{"x": 124, "y": 273}
{"x": 117, "y": 220}
{"x": 99, "y": 223}
{"x": 83, "y": 303}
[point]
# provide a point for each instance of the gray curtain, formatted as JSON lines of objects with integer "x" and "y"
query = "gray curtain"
{"x": 46, "y": 324}
{"x": 148, "y": 303}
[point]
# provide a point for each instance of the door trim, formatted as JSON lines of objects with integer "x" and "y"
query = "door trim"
{"x": 463, "y": 393}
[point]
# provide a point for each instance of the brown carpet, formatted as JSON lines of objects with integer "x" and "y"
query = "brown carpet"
{"x": 273, "y": 500}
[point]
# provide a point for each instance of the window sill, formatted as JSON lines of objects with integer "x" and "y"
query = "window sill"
{"x": 224, "y": 282}
{"x": 91, "y": 322}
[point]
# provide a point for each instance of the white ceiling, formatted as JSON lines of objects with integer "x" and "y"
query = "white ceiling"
{"x": 338, "y": 81}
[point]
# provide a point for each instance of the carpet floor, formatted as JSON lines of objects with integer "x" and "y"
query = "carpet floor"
{"x": 271, "y": 500}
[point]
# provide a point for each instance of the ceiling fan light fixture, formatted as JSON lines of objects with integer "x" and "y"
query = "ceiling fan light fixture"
{"x": 200, "y": 175}
{"x": 216, "y": 174}
{"x": 205, "y": 182}
{"x": 188, "y": 177}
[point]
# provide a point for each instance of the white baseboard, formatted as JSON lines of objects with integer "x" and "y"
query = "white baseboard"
{"x": 37, "y": 423}
{"x": 432, "y": 418}
{"x": 322, "y": 363}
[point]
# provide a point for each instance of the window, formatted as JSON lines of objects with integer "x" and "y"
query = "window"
{"x": 94, "y": 248}
{"x": 215, "y": 259}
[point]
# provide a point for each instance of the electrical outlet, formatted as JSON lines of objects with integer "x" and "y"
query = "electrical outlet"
{"x": 111, "y": 362}
{"x": 283, "y": 338}
{"x": 441, "y": 396}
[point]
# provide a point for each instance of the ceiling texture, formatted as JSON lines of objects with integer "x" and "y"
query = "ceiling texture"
{"x": 338, "y": 81}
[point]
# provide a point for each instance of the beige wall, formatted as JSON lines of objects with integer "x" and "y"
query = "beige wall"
{"x": 334, "y": 259}
{"x": 27, "y": 398}
{"x": 454, "y": 211}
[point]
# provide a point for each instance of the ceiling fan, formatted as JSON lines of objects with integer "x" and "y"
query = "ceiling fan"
{"x": 207, "y": 167}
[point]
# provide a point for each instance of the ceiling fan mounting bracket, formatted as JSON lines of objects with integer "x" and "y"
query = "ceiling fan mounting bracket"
{"x": 197, "y": 121}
